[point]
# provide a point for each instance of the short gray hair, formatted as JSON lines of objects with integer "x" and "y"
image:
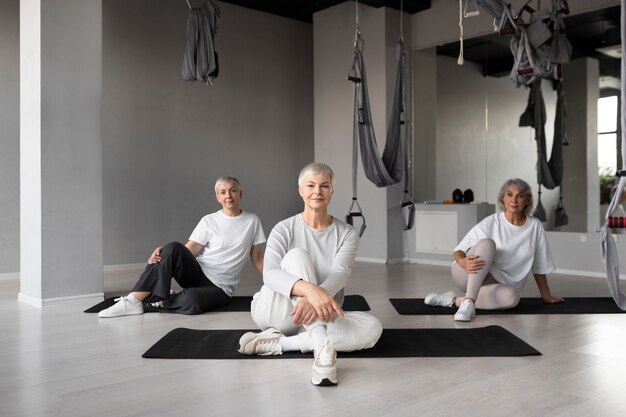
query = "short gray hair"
{"x": 524, "y": 188}
{"x": 226, "y": 178}
{"x": 316, "y": 168}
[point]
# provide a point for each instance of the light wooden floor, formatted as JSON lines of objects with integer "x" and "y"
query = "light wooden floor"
{"x": 58, "y": 361}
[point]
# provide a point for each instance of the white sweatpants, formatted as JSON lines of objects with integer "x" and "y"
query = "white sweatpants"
{"x": 358, "y": 330}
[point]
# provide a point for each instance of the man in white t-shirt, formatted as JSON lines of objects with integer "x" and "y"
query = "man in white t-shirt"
{"x": 207, "y": 267}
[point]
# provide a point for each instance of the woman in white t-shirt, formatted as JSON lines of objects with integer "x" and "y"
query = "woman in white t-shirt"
{"x": 207, "y": 267}
{"x": 492, "y": 262}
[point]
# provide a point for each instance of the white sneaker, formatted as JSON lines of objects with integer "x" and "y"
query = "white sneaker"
{"x": 466, "y": 312}
{"x": 443, "y": 300}
{"x": 123, "y": 307}
{"x": 264, "y": 343}
{"x": 324, "y": 371}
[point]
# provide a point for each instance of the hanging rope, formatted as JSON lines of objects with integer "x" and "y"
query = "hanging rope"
{"x": 355, "y": 208}
{"x": 407, "y": 205}
{"x": 460, "y": 60}
{"x": 464, "y": 13}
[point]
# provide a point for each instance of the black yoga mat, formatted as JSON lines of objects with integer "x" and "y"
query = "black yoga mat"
{"x": 574, "y": 305}
{"x": 242, "y": 303}
{"x": 184, "y": 343}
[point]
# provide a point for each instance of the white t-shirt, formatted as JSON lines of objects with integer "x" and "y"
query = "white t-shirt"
{"x": 332, "y": 250}
{"x": 519, "y": 249}
{"x": 227, "y": 242}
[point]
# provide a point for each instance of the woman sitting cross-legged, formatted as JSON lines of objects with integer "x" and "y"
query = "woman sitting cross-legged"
{"x": 308, "y": 260}
{"x": 492, "y": 262}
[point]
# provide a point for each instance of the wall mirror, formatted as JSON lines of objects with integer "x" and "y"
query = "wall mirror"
{"x": 479, "y": 143}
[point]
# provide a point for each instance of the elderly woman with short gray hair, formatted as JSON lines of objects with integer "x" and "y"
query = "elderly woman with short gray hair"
{"x": 308, "y": 260}
{"x": 492, "y": 262}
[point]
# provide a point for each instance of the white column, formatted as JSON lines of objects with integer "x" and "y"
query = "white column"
{"x": 581, "y": 185}
{"x": 60, "y": 150}
{"x": 333, "y": 37}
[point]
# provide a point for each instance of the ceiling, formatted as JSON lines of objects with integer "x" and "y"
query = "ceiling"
{"x": 587, "y": 32}
{"x": 303, "y": 9}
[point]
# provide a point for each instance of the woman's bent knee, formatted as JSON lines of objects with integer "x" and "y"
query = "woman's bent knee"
{"x": 171, "y": 247}
{"x": 486, "y": 244}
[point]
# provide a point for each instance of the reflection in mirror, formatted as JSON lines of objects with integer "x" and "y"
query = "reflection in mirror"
{"x": 479, "y": 143}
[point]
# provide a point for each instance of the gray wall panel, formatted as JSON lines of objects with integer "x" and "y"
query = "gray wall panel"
{"x": 166, "y": 140}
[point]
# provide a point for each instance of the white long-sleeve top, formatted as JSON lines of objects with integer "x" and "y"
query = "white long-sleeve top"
{"x": 332, "y": 250}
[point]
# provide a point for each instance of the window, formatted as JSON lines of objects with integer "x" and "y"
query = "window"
{"x": 607, "y": 136}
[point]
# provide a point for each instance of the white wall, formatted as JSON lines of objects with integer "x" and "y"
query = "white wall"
{"x": 166, "y": 140}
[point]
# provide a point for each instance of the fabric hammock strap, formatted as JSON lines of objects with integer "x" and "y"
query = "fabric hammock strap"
{"x": 407, "y": 204}
{"x": 355, "y": 208}
{"x": 503, "y": 14}
{"x": 609, "y": 248}
{"x": 355, "y": 211}
{"x": 560, "y": 216}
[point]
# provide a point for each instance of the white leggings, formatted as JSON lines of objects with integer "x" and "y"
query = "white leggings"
{"x": 358, "y": 330}
{"x": 481, "y": 286}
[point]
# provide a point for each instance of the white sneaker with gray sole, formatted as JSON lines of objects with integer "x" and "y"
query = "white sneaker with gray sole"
{"x": 123, "y": 307}
{"x": 324, "y": 371}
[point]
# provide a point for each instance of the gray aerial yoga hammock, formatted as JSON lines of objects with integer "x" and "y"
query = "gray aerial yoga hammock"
{"x": 200, "y": 59}
{"x": 609, "y": 249}
{"x": 538, "y": 44}
{"x": 388, "y": 169}
{"x": 538, "y": 50}
{"x": 549, "y": 172}
{"x": 385, "y": 170}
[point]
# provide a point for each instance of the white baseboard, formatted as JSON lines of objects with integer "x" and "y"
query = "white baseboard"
{"x": 124, "y": 267}
{"x": 586, "y": 273}
{"x": 31, "y": 301}
{"x": 11, "y": 275}
{"x": 394, "y": 261}
{"x": 92, "y": 298}
{"x": 40, "y": 303}
{"x": 430, "y": 262}
{"x": 371, "y": 260}
{"x": 383, "y": 261}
